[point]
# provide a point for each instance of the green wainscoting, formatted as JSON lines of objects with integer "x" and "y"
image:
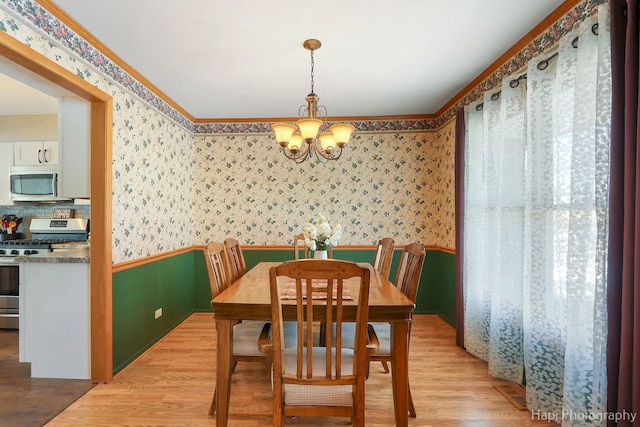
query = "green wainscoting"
{"x": 180, "y": 285}
{"x": 437, "y": 292}
{"x": 138, "y": 292}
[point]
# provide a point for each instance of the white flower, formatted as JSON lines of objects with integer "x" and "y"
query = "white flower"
{"x": 311, "y": 244}
{"x": 320, "y": 234}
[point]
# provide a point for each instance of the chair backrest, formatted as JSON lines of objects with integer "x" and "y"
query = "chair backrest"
{"x": 410, "y": 269}
{"x": 309, "y": 283}
{"x": 216, "y": 260}
{"x": 237, "y": 266}
{"x": 384, "y": 256}
{"x": 298, "y": 240}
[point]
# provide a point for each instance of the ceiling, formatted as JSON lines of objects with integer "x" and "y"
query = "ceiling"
{"x": 243, "y": 59}
{"x": 25, "y": 92}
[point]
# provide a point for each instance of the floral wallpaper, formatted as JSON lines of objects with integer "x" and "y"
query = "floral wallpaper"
{"x": 177, "y": 183}
{"x": 385, "y": 184}
{"x": 153, "y": 187}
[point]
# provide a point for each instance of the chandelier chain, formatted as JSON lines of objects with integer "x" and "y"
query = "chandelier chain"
{"x": 307, "y": 138}
{"x": 312, "y": 64}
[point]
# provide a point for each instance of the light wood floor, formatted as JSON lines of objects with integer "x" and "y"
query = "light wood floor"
{"x": 172, "y": 385}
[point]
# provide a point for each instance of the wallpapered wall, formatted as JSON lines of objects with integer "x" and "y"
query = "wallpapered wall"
{"x": 173, "y": 188}
{"x": 152, "y": 181}
{"x": 385, "y": 184}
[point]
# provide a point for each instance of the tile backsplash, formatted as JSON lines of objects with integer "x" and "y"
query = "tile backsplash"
{"x": 27, "y": 211}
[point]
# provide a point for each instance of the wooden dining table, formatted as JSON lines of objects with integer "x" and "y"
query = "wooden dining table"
{"x": 248, "y": 299}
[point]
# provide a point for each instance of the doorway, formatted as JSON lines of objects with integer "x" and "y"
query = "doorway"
{"x": 101, "y": 156}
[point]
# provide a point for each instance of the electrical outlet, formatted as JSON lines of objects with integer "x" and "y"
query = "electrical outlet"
{"x": 159, "y": 313}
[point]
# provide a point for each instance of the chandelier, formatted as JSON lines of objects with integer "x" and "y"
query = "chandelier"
{"x": 305, "y": 139}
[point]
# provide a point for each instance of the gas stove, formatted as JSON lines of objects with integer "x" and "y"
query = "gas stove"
{"x": 22, "y": 247}
{"x": 47, "y": 234}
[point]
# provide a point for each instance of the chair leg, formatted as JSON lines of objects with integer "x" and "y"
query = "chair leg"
{"x": 278, "y": 417}
{"x": 322, "y": 339}
{"x": 212, "y": 409}
{"x": 269, "y": 362}
{"x": 385, "y": 365}
{"x": 356, "y": 422}
{"x": 412, "y": 409}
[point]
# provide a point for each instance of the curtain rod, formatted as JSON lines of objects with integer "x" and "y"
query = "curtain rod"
{"x": 543, "y": 64}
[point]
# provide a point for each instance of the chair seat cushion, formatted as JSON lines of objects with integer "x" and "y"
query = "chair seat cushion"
{"x": 348, "y": 334}
{"x": 245, "y": 338}
{"x": 318, "y": 395}
{"x": 290, "y": 333}
{"x": 383, "y": 331}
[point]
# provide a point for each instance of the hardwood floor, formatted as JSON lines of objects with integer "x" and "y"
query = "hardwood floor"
{"x": 172, "y": 385}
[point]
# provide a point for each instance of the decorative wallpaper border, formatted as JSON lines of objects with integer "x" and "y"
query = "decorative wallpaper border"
{"x": 361, "y": 126}
{"x": 48, "y": 24}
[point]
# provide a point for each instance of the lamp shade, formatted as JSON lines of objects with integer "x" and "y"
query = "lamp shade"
{"x": 342, "y": 132}
{"x": 309, "y": 127}
{"x": 295, "y": 142}
{"x": 327, "y": 142}
{"x": 283, "y": 132}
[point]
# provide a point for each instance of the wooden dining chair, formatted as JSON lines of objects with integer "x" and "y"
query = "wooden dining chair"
{"x": 298, "y": 241}
{"x": 309, "y": 380}
{"x": 384, "y": 256}
{"x": 246, "y": 334}
{"x": 237, "y": 266}
{"x": 382, "y": 264}
{"x": 407, "y": 280}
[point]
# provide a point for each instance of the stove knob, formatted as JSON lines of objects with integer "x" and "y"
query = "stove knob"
{"x": 33, "y": 251}
{"x": 2, "y": 252}
{"x": 14, "y": 252}
{"x": 26, "y": 252}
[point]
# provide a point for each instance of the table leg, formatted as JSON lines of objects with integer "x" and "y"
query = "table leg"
{"x": 224, "y": 351}
{"x": 400, "y": 371}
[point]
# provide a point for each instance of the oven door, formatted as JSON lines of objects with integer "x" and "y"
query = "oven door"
{"x": 9, "y": 294}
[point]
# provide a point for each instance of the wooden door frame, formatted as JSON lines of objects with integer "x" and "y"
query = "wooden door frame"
{"x": 101, "y": 158}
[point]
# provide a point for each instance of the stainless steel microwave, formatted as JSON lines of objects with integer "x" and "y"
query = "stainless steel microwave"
{"x": 34, "y": 183}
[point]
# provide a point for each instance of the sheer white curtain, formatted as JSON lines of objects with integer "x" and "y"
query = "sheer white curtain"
{"x": 493, "y": 239}
{"x": 535, "y": 221}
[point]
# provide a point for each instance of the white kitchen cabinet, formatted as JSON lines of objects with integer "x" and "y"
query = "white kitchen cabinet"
{"x": 6, "y": 161}
{"x": 35, "y": 153}
{"x": 55, "y": 319}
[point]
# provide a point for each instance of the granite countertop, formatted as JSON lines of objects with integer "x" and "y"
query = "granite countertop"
{"x": 76, "y": 255}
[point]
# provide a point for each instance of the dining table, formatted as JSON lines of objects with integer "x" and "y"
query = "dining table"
{"x": 249, "y": 299}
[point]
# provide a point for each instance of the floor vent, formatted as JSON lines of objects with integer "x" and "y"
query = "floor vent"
{"x": 516, "y": 394}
